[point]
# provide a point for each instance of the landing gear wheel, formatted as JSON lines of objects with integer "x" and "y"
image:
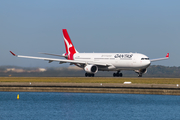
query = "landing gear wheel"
{"x": 139, "y": 75}
{"x": 89, "y": 75}
{"x": 120, "y": 74}
{"x": 86, "y": 74}
{"x": 114, "y": 74}
{"x": 117, "y": 74}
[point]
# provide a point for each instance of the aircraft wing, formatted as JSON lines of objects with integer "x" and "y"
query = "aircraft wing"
{"x": 62, "y": 60}
{"x": 54, "y": 55}
{"x": 157, "y": 59}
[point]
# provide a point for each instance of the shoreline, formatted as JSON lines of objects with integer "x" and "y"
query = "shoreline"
{"x": 159, "y": 89}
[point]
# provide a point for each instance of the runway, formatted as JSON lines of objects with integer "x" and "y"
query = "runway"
{"x": 160, "y": 89}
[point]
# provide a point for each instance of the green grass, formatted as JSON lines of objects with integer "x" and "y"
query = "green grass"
{"x": 92, "y": 80}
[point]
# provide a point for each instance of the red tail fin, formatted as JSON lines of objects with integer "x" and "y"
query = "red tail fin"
{"x": 70, "y": 49}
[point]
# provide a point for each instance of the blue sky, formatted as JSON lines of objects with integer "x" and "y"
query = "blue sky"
{"x": 148, "y": 27}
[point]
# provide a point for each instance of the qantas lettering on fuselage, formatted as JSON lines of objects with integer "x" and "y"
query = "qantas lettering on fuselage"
{"x": 124, "y": 56}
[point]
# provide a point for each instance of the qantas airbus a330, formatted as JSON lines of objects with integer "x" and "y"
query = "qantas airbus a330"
{"x": 94, "y": 62}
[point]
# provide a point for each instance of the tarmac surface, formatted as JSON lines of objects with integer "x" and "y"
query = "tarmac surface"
{"x": 161, "y": 89}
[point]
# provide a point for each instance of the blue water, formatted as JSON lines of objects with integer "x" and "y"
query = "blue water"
{"x": 87, "y": 106}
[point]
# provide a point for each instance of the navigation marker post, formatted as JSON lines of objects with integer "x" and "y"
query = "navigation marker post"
{"x": 18, "y": 96}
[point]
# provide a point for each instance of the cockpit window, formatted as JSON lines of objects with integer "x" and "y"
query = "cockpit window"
{"x": 144, "y": 58}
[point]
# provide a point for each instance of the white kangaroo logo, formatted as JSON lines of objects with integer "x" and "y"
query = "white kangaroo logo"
{"x": 68, "y": 45}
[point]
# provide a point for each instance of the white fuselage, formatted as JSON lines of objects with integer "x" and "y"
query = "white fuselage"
{"x": 116, "y": 61}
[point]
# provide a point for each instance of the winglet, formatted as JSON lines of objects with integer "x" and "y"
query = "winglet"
{"x": 167, "y": 55}
{"x": 13, "y": 53}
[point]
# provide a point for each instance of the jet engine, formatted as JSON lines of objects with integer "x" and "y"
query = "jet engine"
{"x": 91, "y": 69}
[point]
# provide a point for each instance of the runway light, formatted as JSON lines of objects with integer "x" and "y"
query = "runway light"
{"x": 18, "y": 96}
{"x": 177, "y": 85}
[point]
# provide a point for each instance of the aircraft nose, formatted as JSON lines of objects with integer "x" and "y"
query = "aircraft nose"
{"x": 148, "y": 63}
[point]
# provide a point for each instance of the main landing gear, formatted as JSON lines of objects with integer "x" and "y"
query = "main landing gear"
{"x": 89, "y": 74}
{"x": 118, "y": 74}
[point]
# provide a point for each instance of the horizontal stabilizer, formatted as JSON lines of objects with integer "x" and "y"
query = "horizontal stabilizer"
{"x": 55, "y": 55}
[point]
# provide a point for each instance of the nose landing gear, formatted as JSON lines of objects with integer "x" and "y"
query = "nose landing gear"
{"x": 140, "y": 75}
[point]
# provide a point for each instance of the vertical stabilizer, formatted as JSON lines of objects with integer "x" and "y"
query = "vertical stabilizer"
{"x": 70, "y": 49}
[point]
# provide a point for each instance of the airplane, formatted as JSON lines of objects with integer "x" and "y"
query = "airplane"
{"x": 94, "y": 62}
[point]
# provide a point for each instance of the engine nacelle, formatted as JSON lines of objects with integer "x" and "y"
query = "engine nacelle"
{"x": 141, "y": 71}
{"x": 91, "y": 68}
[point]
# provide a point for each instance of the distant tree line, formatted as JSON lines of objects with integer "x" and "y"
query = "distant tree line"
{"x": 152, "y": 71}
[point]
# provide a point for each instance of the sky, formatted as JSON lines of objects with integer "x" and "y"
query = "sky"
{"x": 28, "y": 27}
